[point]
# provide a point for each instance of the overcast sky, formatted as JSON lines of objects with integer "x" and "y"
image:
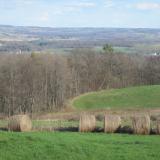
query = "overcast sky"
{"x": 81, "y": 13}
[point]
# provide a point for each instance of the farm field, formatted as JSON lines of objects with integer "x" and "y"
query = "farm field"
{"x": 59, "y": 139}
{"x": 74, "y": 86}
{"x": 77, "y": 146}
{"x": 52, "y": 125}
{"x": 144, "y": 97}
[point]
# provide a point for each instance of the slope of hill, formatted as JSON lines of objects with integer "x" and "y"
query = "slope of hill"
{"x": 126, "y": 98}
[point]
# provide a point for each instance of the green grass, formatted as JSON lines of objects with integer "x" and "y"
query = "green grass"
{"x": 126, "y": 98}
{"x": 38, "y": 124}
{"x": 3, "y": 123}
{"x": 55, "y": 124}
{"x": 76, "y": 146}
{"x": 47, "y": 123}
{"x": 130, "y": 50}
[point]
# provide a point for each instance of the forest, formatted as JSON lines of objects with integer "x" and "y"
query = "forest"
{"x": 35, "y": 83}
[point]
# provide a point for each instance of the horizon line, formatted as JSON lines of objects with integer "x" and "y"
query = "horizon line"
{"x": 94, "y": 27}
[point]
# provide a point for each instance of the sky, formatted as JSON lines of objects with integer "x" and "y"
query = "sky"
{"x": 81, "y": 13}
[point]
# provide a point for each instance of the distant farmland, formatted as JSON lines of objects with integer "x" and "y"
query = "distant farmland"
{"x": 44, "y": 39}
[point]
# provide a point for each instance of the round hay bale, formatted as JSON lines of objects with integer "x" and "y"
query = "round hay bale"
{"x": 87, "y": 123}
{"x": 158, "y": 126}
{"x": 141, "y": 124}
{"x": 20, "y": 123}
{"x": 111, "y": 123}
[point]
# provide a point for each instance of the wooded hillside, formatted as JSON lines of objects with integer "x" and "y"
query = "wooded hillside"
{"x": 44, "y": 82}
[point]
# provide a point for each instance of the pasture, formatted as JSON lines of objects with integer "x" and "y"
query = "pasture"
{"x": 77, "y": 146}
{"x": 50, "y": 137}
{"x": 144, "y": 97}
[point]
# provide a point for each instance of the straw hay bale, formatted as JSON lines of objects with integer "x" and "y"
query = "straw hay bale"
{"x": 20, "y": 123}
{"x": 87, "y": 123}
{"x": 111, "y": 123}
{"x": 158, "y": 126}
{"x": 141, "y": 124}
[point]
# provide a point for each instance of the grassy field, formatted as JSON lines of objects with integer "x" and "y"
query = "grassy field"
{"x": 44, "y": 124}
{"x": 126, "y": 98}
{"x": 76, "y": 146}
{"x": 134, "y": 49}
{"x": 50, "y": 125}
{"x": 56, "y": 124}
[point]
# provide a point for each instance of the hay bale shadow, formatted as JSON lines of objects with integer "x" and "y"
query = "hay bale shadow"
{"x": 125, "y": 130}
{"x": 68, "y": 129}
{"x": 3, "y": 129}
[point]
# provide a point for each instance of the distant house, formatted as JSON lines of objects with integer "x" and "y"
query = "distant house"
{"x": 155, "y": 54}
{"x": 19, "y": 52}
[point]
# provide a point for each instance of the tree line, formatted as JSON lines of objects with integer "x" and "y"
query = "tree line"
{"x": 44, "y": 82}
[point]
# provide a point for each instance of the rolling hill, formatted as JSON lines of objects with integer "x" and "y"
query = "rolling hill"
{"x": 126, "y": 98}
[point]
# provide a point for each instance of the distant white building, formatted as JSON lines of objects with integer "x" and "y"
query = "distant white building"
{"x": 155, "y": 54}
{"x": 19, "y": 52}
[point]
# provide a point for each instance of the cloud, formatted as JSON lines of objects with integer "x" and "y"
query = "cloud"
{"x": 57, "y": 12}
{"x": 14, "y": 4}
{"x": 44, "y": 17}
{"x": 109, "y": 4}
{"x": 115, "y": 3}
{"x": 74, "y": 7}
{"x": 148, "y": 6}
{"x": 22, "y": 2}
{"x": 81, "y": 5}
{"x": 85, "y": 4}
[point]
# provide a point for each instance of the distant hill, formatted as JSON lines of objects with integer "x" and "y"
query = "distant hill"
{"x": 126, "y": 98}
{"x": 28, "y": 39}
